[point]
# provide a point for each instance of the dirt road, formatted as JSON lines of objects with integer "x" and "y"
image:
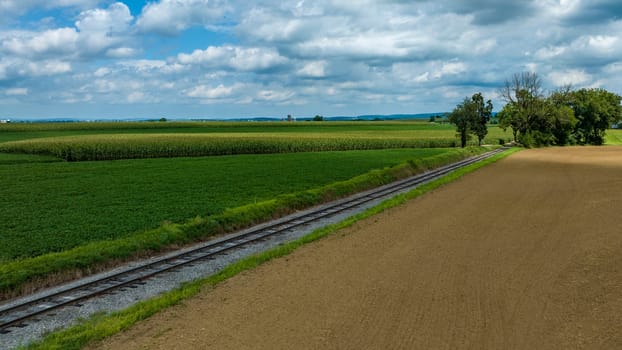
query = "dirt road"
{"x": 523, "y": 254}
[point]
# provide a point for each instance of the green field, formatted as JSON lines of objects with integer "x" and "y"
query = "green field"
{"x": 613, "y": 137}
{"x": 142, "y": 195}
{"x": 80, "y": 141}
{"x": 54, "y": 206}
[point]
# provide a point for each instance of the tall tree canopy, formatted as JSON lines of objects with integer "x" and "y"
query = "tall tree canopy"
{"x": 563, "y": 117}
{"x": 471, "y": 117}
{"x": 595, "y": 110}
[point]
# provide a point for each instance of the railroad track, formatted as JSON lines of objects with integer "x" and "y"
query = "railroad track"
{"x": 22, "y": 314}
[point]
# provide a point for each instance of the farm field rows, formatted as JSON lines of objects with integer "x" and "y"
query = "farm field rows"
{"x": 65, "y": 216}
{"x": 207, "y": 139}
{"x": 50, "y": 207}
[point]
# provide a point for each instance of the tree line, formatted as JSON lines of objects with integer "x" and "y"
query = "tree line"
{"x": 562, "y": 117}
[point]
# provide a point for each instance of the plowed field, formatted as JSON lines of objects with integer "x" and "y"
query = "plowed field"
{"x": 523, "y": 254}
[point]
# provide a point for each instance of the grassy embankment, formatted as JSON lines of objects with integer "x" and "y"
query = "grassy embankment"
{"x": 101, "y": 326}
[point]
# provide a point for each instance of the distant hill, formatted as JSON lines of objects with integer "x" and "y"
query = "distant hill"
{"x": 367, "y": 117}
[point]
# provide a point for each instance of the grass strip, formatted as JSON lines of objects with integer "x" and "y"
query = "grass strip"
{"x": 101, "y": 326}
{"x": 31, "y": 273}
{"x": 613, "y": 137}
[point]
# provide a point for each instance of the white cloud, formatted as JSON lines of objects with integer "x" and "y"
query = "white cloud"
{"x": 450, "y": 68}
{"x": 238, "y": 58}
{"x": 121, "y": 52}
{"x": 206, "y": 92}
{"x": 320, "y": 56}
{"x": 113, "y": 20}
{"x": 546, "y": 53}
{"x": 104, "y": 29}
{"x": 274, "y": 96}
{"x": 314, "y": 69}
{"x": 573, "y": 77}
{"x": 173, "y": 16}
{"x": 16, "y": 68}
{"x": 16, "y": 92}
{"x": 423, "y": 77}
{"x": 96, "y": 31}
{"x": 43, "y": 68}
{"x": 100, "y": 72}
{"x": 22, "y": 6}
{"x": 136, "y": 96}
{"x": 61, "y": 41}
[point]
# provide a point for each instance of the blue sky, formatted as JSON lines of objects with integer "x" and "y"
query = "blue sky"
{"x": 95, "y": 59}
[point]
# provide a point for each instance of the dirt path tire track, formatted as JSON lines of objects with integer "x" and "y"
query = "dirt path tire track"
{"x": 523, "y": 254}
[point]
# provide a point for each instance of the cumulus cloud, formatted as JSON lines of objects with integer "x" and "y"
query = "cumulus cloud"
{"x": 113, "y": 20}
{"x": 103, "y": 29}
{"x": 275, "y": 95}
{"x": 61, "y": 41}
{"x": 573, "y": 12}
{"x": 22, "y": 6}
{"x": 16, "y": 92}
{"x": 96, "y": 31}
{"x": 314, "y": 69}
{"x": 487, "y": 12}
{"x": 121, "y": 52}
{"x": 233, "y": 57}
{"x": 206, "y": 92}
{"x": 574, "y": 77}
{"x": 328, "y": 56}
{"x": 13, "y": 68}
{"x": 170, "y": 17}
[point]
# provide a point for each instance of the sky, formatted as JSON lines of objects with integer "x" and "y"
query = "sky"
{"x": 93, "y": 59}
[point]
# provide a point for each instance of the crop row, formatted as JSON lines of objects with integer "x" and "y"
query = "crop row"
{"x": 113, "y": 147}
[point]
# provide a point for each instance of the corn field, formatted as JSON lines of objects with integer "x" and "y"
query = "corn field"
{"x": 132, "y": 146}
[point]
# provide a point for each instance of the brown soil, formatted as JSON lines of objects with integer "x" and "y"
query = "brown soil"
{"x": 523, "y": 254}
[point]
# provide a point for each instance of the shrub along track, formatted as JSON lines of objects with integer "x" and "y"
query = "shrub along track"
{"x": 523, "y": 254}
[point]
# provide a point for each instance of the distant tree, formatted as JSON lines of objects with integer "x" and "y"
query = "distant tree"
{"x": 471, "y": 116}
{"x": 318, "y": 118}
{"x": 162, "y": 119}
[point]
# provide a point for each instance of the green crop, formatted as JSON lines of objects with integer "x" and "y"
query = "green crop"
{"x": 55, "y": 206}
{"x": 131, "y": 146}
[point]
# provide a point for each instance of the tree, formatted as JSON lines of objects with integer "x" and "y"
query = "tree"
{"x": 595, "y": 110}
{"x": 471, "y": 116}
{"x": 523, "y": 95}
{"x": 318, "y": 118}
{"x": 461, "y": 118}
{"x": 483, "y": 112}
{"x": 563, "y": 118}
{"x": 510, "y": 117}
